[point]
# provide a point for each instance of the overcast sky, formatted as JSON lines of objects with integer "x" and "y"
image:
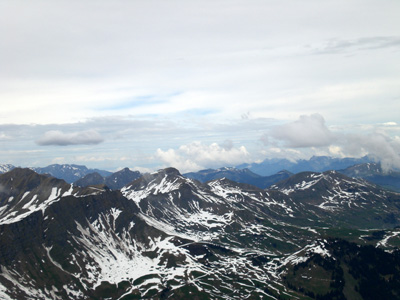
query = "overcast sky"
{"x": 198, "y": 84}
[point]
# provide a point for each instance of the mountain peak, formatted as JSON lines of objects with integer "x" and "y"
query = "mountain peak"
{"x": 169, "y": 171}
{"x": 90, "y": 179}
{"x": 21, "y": 172}
{"x": 285, "y": 172}
{"x": 124, "y": 170}
{"x": 160, "y": 182}
{"x": 23, "y": 192}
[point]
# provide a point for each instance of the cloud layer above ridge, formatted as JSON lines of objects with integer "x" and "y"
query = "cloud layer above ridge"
{"x": 197, "y": 84}
{"x": 58, "y": 138}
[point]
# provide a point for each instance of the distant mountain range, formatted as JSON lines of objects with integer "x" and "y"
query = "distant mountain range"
{"x": 239, "y": 175}
{"x": 69, "y": 173}
{"x": 373, "y": 172}
{"x": 262, "y": 175}
{"x": 82, "y": 176}
{"x": 314, "y": 164}
{"x": 165, "y": 236}
{"x": 268, "y": 167}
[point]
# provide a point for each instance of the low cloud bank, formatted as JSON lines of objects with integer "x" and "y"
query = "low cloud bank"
{"x": 378, "y": 145}
{"x": 307, "y": 131}
{"x": 312, "y": 132}
{"x": 59, "y": 138}
{"x": 196, "y": 156}
{"x": 309, "y": 134}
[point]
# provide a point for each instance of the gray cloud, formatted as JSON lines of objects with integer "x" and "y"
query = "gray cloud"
{"x": 378, "y": 145}
{"x": 311, "y": 131}
{"x": 227, "y": 145}
{"x": 59, "y": 138}
{"x": 367, "y": 43}
{"x": 213, "y": 55}
{"x": 130, "y": 141}
{"x": 307, "y": 131}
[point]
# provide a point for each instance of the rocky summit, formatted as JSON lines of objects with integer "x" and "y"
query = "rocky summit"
{"x": 165, "y": 236}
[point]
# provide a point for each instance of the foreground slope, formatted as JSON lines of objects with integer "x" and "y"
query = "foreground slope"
{"x": 91, "y": 245}
{"x": 337, "y": 269}
{"x": 167, "y": 236}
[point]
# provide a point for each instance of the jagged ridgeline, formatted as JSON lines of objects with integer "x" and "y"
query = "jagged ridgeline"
{"x": 165, "y": 236}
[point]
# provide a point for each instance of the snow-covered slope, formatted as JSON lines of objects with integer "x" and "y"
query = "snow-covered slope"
{"x": 5, "y": 168}
{"x": 166, "y": 236}
{"x": 24, "y": 192}
{"x": 342, "y": 199}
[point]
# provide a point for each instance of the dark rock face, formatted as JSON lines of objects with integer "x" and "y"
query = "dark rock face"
{"x": 115, "y": 181}
{"x": 121, "y": 178}
{"x": 167, "y": 236}
{"x": 90, "y": 179}
{"x": 344, "y": 270}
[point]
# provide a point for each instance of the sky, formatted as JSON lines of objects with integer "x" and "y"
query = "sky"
{"x": 198, "y": 84}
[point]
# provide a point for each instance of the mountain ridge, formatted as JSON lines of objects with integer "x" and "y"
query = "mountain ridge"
{"x": 315, "y": 164}
{"x": 239, "y": 175}
{"x": 262, "y": 174}
{"x": 165, "y": 235}
{"x": 113, "y": 181}
{"x": 374, "y": 173}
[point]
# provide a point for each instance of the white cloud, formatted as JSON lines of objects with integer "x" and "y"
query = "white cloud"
{"x": 105, "y": 66}
{"x": 59, "y": 138}
{"x": 311, "y": 134}
{"x": 336, "y": 151}
{"x": 172, "y": 158}
{"x": 378, "y": 145}
{"x": 196, "y": 156}
{"x": 227, "y": 145}
{"x": 243, "y": 59}
{"x": 58, "y": 160}
{"x": 307, "y": 131}
{"x": 91, "y": 158}
{"x": 390, "y": 124}
{"x": 140, "y": 169}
